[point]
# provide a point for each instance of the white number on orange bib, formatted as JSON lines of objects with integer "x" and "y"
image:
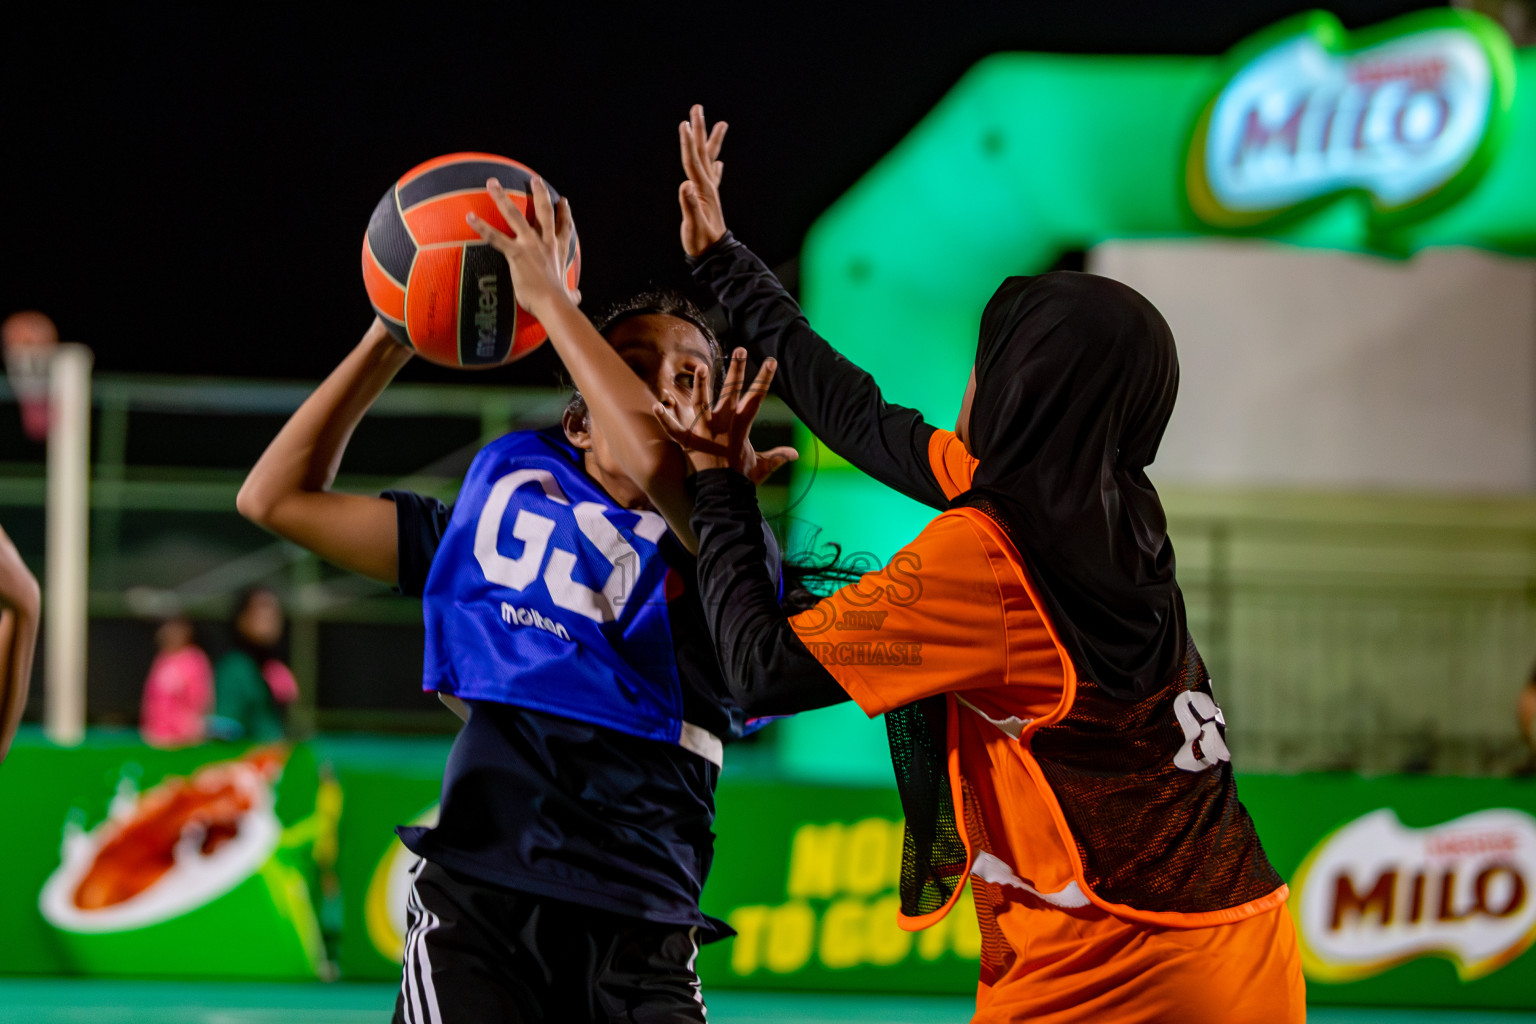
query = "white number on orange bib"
{"x": 1201, "y": 719}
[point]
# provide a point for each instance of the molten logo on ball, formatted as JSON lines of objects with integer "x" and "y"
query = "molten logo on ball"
{"x": 485, "y": 319}
{"x": 1376, "y": 893}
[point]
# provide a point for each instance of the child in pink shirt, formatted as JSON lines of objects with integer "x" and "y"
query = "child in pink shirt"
{"x": 178, "y": 693}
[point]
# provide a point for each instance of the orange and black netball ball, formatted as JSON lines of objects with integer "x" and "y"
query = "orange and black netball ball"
{"x": 437, "y": 285}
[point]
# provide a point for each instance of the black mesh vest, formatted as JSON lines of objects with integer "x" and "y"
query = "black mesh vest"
{"x": 1146, "y": 788}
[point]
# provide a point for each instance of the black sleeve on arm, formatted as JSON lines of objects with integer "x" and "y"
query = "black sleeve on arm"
{"x": 420, "y": 522}
{"x": 768, "y": 669}
{"x": 839, "y": 402}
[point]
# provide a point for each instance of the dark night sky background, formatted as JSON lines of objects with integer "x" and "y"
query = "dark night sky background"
{"x": 186, "y": 190}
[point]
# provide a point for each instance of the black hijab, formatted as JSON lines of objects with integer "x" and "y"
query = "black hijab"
{"x": 1075, "y": 381}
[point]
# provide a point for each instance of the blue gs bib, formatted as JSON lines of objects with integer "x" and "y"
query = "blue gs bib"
{"x": 546, "y": 595}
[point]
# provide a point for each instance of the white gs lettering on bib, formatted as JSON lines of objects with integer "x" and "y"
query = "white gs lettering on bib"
{"x": 534, "y": 531}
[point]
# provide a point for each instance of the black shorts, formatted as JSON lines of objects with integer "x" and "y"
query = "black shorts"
{"x": 476, "y": 952}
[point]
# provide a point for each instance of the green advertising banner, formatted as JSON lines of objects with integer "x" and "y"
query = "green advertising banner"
{"x": 1406, "y": 890}
{"x": 807, "y": 876}
{"x": 126, "y": 860}
{"x": 385, "y": 782}
{"x": 268, "y": 863}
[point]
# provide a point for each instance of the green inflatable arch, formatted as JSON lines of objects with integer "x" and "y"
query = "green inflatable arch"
{"x": 1410, "y": 134}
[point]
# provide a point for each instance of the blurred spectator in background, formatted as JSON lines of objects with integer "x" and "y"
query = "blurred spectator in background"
{"x": 20, "y": 604}
{"x": 1525, "y": 712}
{"x": 252, "y": 686}
{"x": 178, "y": 692}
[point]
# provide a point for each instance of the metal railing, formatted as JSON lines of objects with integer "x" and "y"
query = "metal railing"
{"x": 1376, "y": 632}
{"x": 1369, "y": 632}
{"x": 134, "y": 580}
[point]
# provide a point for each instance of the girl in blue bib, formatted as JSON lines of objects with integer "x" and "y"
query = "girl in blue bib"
{"x": 564, "y": 625}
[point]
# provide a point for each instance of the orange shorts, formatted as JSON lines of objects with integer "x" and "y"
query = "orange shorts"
{"x": 1074, "y": 966}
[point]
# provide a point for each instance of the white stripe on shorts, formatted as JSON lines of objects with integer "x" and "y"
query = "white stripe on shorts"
{"x": 693, "y": 958}
{"x": 428, "y": 989}
{"x": 420, "y": 994}
{"x": 412, "y": 1001}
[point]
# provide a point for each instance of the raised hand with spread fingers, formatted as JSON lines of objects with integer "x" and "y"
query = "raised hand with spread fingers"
{"x": 699, "y": 196}
{"x": 717, "y": 436}
{"x": 536, "y": 246}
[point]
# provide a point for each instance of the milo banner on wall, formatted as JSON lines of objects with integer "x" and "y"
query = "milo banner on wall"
{"x": 1404, "y": 890}
{"x": 1377, "y": 893}
{"x": 280, "y": 863}
{"x": 807, "y": 876}
{"x": 1416, "y": 891}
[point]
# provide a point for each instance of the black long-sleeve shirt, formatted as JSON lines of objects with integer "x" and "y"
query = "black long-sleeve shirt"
{"x": 838, "y": 401}
{"x": 767, "y": 666}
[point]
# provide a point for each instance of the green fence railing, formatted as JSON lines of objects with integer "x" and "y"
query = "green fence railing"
{"x": 1379, "y": 632}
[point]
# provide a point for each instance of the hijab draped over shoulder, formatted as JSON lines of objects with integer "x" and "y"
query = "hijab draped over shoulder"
{"x": 1076, "y": 377}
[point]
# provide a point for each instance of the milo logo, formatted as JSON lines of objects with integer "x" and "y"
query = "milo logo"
{"x": 1401, "y": 114}
{"x": 1376, "y": 893}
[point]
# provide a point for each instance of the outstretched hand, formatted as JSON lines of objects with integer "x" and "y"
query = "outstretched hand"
{"x": 536, "y": 248}
{"x": 699, "y": 196}
{"x": 718, "y": 436}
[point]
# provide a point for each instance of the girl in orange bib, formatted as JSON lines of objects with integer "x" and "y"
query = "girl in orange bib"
{"x": 1053, "y": 729}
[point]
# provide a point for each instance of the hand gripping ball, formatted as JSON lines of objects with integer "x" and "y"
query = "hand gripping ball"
{"x": 437, "y": 286}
